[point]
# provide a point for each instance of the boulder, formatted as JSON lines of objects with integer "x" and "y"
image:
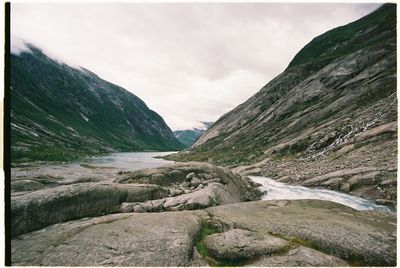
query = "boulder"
{"x": 386, "y": 202}
{"x": 212, "y": 195}
{"x": 389, "y": 182}
{"x": 42, "y": 208}
{"x": 190, "y": 176}
{"x": 322, "y": 225}
{"x": 239, "y": 244}
{"x": 362, "y": 179}
{"x": 195, "y": 182}
{"x": 187, "y": 175}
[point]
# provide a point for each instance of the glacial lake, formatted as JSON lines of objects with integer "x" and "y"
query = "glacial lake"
{"x": 105, "y": 168}
{"x": 93, "y": 169}
{"x": 127, "y": 161}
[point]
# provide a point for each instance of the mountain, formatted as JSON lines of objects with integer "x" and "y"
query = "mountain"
{"x": 61, "y": 113}
{"x": 329, "y": 120}
{"x": 189, "y": 136}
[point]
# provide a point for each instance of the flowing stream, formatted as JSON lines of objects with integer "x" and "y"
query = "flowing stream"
{"x": 104, "y": 168}
{"x": 277, "y": 190}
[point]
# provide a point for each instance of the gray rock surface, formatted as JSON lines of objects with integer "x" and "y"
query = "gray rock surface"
{"x": 300, "y": 256}
{"x": 265, "y": 233}
{"x": 194, "y": 185}
{"x": 42, "y": 208}
{"x": 238, "y": 244}
{"x": 157, "y": 239}
{"x": 368, "y": 237}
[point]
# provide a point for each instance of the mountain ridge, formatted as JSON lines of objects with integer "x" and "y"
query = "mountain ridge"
{"x": 190, "y": 136}
{"x": 310, "y": 119}
{"x": 61, "y": 113}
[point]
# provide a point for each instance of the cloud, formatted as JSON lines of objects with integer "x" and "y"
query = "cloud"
{"x": 188, "y": 62}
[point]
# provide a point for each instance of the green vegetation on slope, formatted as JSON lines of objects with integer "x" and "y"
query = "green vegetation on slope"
{"x": 62, "y": 113}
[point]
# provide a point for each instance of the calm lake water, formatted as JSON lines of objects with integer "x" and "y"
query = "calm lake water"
{"x": 128, "y": 161}
{"x": 94, "y": 169}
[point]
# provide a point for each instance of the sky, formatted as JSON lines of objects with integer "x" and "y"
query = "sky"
{"x": 189, "y": 62}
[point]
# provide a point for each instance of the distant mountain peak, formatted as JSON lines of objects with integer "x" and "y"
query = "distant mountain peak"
{"x": 190, "y": 136}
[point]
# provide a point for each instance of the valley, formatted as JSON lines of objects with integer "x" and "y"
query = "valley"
{"x": 303, "y": 173}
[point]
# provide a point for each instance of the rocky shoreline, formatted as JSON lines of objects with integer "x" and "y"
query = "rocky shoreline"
{"x": 369, "y": 172}
{"x": 191, "y": 214}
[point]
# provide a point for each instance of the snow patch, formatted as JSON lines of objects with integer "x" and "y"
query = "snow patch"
{"x": 25, "y": 130}
{"x": 84, "y": 117}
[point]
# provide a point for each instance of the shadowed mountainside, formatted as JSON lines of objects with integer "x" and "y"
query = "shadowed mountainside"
{"x": 61, "y": 113}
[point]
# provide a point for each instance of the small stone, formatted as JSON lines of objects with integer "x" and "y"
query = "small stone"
{"x": 138, "y": 209}
{"x": 185, "y": 184}
{"x": 195, "y": 182}
{"x": 127, "y": 207}
{"x": 345, "y": 187}
{"x": 190, "y": 176}
{"x": 216, "y": 180}
{"x": 389, "y": 182}
{"x": 207, "y": 176}
{"x": 147, "y": 206}
{"x": 158, "y": 204}
{"x": 385, "y": 202}
{"x": 178, "y": 192}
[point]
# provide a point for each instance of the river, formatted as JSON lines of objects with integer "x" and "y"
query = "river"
{"x": 277, "y": 190}
{"x": 105, "y": 168}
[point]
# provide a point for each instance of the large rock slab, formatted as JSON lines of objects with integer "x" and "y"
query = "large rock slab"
{"x": 238, "y": 244}
{"x": 157, "y": 239}
{"x": 300, "y": 256}
{"x": 135, "y": 192}
{"x": 367, "y": 238}
{"x": 42, "y": 208}
{"x": 262, "y": 233}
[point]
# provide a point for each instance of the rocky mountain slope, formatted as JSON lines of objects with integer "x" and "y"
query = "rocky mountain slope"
{"x": 329, "y": 120}
{"x": 60, "y": 113}
{"x": 190, "y": 136}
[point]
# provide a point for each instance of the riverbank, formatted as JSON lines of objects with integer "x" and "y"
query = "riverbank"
{"x": 369, "y": 172}
{"x": 185, "y": 214}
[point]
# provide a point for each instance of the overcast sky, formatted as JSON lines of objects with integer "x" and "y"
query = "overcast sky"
{"x": 188, "y": 62}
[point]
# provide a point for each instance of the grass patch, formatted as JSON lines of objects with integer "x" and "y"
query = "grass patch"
{"x": 205, "y": 231}
{"x": 208, "y": 230}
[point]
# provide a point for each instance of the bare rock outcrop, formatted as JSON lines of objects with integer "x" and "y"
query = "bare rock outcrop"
{"x": 152, "y": 190}
{"x": 260, "y": 233}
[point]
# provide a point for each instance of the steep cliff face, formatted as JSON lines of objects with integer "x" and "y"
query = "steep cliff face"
{"x": 60, "y": 113}
{"x": 333, "y": 108}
